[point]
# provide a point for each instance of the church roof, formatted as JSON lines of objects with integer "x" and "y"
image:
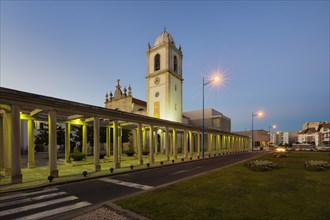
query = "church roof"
{"x": 164, "y": 37}
{"x": 139, "y": 102}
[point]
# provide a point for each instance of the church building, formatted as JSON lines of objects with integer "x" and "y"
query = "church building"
{"x": 164, "y": 82}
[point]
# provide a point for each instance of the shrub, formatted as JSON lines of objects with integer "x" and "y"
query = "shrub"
{"x": 262, "y": 165}
{"x": 145, "y": 152}
{"x": 130, "y": 153}
{"x": 280, "y": 155}
{"x": 316, "y": 165}
{"x": 77, "y": 155}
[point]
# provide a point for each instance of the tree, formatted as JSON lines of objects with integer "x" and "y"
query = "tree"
{"x": 41, "y": 139}
{"x": 60, "y": 136}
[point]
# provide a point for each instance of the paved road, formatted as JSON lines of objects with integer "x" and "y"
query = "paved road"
{"x": 73, "y": 196}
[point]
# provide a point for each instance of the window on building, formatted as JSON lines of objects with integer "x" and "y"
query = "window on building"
{"x": 175, "y": 87}
{"x": 175, "y": 64}
{"x": 157, "y": 62}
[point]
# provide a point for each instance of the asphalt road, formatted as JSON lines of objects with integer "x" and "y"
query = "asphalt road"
{"x": 74, "y": 196}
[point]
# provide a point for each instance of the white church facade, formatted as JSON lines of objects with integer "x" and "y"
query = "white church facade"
{"x": 164, "y": 87}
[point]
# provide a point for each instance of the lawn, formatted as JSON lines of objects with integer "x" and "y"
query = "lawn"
{"x": 237, "y": 192}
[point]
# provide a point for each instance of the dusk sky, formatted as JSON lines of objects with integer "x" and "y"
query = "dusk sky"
{"x": 274, "y": 54}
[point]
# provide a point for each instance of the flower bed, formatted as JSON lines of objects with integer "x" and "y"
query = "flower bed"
{"x": 280, "y": 155}
{"x": 262, "y": 165}
{"x": 316, "y": 165}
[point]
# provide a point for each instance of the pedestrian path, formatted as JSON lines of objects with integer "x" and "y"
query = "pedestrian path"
{"x": 38, "y": 204}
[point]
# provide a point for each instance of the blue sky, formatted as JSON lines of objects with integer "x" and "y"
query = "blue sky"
{"x": 275, "y": 55}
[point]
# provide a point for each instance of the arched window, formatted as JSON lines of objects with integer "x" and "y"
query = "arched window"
{"x": 175, "y": 64}
{"x": 157, "y": 62}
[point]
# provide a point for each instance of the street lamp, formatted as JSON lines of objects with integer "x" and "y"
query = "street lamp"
{"x": 254, "y": 115}
{"x": 213, "y": 80}
{"x": 270, "y": 134}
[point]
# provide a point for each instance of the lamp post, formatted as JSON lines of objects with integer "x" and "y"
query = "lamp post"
{"x": 254, "y": 115}
{"x": 215, "y": 79}
{"x": 270, "y": 134}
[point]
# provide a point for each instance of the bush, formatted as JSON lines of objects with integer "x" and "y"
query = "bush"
{"x": 130, "y": 152}
{"x": 316, "y": 165}
{"x": 145, "y": 152}
{"x": 262, "y": 165}
{"x": 77, "y": 155}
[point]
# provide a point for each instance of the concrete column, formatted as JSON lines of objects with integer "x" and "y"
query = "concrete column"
{"x": 120, "y": 141}
{"x": 2, "y": 143}
{"x": 191, "y": 143}
{"x": 7, "y": 143}
{"x": 144, "y": 139}
{"x": 209, "y": 144}
{"x": 135, "y": 146}
{"x": 108, "y": 141}
{"x": 232, "y": 144}
{"x": 229, "y": 143}
{"x": 155, "y": 142}
{"x": 167, "y": 145}
{"x": 225, "y": 143}
{"x": 52, "y": 148}
{"x": 151, "y": 145}
{"x": 31, "y": 160}
{"x": 175, "y": 144}
{"x": 199, "y": 134}
{"x": 97, "y": 144}
{"x": 116, "y": 162}
{"x": 16, "y": 175}
{"x": 84, "y": 139}
{"x": 139, "y": 143}
{"x": 162, "y": 143}
{"x": 185, "y": 144}
{"x": 217, "y": 143}
{"x": 67, "y": 143}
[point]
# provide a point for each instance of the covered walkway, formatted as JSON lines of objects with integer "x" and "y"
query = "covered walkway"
{"x": 163, "y": 140}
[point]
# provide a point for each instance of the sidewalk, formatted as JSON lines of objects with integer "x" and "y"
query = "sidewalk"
{"x": 38, "y": 176}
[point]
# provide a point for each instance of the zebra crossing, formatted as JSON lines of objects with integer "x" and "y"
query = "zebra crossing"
{"x": 38, "y": 204}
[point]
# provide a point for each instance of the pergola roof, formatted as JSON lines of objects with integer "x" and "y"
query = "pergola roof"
{"x": 38, "y": 106}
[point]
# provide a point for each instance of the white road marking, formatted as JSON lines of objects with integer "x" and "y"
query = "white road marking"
{"x": 129, "y": 184}
{"x": 16, "y": 202}
{"x": 26, "y": 194}
{"x": 51, "y": 212}
{"x": 37, "y": 205}
{"x": 185, "y": 171}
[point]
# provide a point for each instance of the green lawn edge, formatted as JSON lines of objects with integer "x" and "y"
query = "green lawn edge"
{"x": 237, "y": 192}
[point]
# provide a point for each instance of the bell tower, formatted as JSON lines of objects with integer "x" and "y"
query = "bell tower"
{"x": 164, "y": 79}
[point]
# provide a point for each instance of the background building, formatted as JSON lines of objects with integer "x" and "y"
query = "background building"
{"x": 260, "y": 137}
{"x": 284, "y": 138}
{"x": 315, "y": 134}
{"x": 212, "y": 119}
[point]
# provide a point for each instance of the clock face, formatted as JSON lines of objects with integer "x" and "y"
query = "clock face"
{"x": 157, "y": 80}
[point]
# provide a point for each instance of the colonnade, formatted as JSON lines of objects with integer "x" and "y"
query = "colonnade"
{"x": 167, "y": 138}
